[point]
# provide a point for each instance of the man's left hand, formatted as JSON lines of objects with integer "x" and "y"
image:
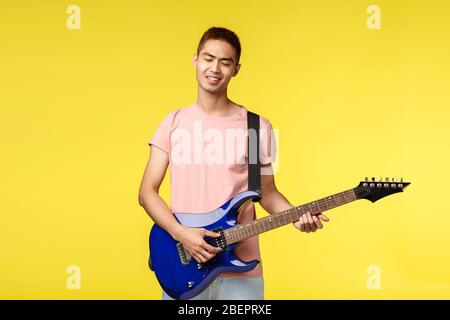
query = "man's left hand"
{"x": 310, "y": 223}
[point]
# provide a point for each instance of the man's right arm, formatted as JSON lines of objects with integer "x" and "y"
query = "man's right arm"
{"x": 149, "y": 197}
{"x": 157, "y": 209}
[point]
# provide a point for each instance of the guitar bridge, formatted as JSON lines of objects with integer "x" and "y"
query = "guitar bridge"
{"x": 184, "y": 256}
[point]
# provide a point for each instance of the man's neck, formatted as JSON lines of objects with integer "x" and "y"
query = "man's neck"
{"x": 215, "y": 104}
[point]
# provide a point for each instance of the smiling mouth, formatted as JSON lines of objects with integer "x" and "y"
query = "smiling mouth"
{"x": 213, "y": 78}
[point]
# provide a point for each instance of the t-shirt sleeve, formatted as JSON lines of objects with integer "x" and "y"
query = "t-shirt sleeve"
{"x": 267, "y": 142}
{"x": 161, "y": 137}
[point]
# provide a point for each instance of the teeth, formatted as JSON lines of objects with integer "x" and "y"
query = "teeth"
{"x": 212, "y": 78}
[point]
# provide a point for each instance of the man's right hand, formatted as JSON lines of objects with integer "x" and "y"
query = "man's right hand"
{"x": 192, "y": 240}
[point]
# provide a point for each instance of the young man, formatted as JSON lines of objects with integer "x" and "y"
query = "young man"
{"x": 202, "y": 182}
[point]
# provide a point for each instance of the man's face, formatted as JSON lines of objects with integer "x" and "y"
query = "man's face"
{"x": 216, "y": 64}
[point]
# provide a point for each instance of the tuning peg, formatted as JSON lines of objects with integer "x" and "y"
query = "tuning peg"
{"x": 366, "y": 179}
{"x": 373, "y": 179}
{"x": 394, "y": 179}
{"x": 380, "y": 180}
{"x": 401, "y": 179}
{"x": 387, "y": 179}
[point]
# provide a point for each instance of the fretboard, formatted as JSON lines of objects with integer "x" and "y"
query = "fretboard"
{"x": 276, "y": 220}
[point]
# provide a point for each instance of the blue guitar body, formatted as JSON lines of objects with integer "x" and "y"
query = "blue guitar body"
{"x": 181, "y": 276}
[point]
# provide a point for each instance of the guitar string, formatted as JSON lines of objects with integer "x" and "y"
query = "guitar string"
{"x": 320, "y": 201}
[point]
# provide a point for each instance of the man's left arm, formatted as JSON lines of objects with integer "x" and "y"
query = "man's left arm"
{"x": 273, "y": 201}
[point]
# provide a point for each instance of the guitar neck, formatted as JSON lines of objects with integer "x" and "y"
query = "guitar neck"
{"x": 273, "y": 221}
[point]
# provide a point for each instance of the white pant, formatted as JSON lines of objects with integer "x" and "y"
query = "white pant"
{"x": 230, "y": 289}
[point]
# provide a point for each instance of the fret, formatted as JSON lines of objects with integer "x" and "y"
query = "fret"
{"x": 251, "y": 228}
{"x": 316, "y": 208}
{"x": 302, "y": 211}
{"x": 291, "y": 214}
{"x": 308, "y": 209}
{"x": 256, "y": 227}
{"x": 266, "y": 224}
{"x": 327, "y": 205}
{"x": 286, "y": 217}
{"x": 331, "y": 199}
{"x": 312, "y": 206}
{"x": 323, "y": 204}
{"x": 335, "y": 201}
{"x": 229, "y": 235}
{"x": 340, "y": 199}
{"x": 271, "y": 222}
{"x": 278, "y": 220}
{"x": 294, "y": 214}
{"x": 261, "y": 226}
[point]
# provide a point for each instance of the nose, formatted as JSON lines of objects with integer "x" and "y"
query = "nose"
{"x": 215, "y": 66}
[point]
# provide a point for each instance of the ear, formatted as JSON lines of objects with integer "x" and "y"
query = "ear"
{"x": 236, "y": 69}
{"x": 194, "y": 61}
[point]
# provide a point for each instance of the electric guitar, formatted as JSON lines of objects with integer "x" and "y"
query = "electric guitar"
{"x": 182, "y": 277}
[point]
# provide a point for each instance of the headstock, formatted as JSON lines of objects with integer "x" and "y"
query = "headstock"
{"x": 374, "y": 190}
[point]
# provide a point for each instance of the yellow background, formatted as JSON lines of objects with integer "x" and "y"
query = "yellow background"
{"x": 78, "y": 107}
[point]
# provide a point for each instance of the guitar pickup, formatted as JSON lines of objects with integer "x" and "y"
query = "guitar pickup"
{"x": 219, "y": 242}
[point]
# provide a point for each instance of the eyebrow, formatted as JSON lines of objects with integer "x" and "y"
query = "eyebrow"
{"x": 212, "y": 56}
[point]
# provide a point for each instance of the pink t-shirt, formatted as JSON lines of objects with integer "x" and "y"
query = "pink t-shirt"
{"x": 208, "y": 165}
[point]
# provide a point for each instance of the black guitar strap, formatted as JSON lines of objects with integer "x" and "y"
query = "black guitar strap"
{"x": 254, "y": 170}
